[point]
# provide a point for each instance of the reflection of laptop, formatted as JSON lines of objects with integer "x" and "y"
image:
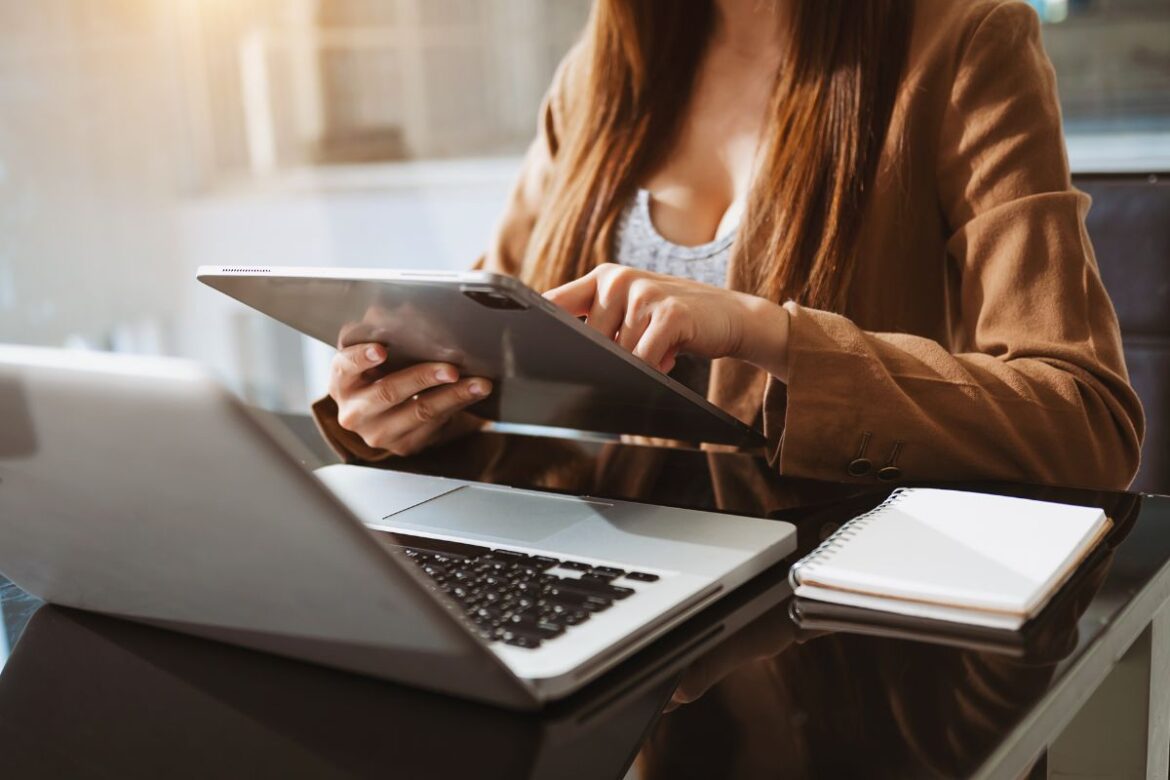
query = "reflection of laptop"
{"x": 139, "y": 487}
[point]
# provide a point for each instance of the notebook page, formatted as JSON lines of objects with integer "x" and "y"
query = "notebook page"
{"x": 961, "y": 549}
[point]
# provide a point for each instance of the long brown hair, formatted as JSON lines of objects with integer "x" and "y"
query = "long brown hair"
{"x": 833, "y": 95}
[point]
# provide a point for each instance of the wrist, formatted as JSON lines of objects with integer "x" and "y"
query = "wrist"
{"x": 765, "y": 337}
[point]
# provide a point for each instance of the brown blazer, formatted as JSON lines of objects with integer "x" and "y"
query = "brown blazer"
{"x": 978, "y": 333}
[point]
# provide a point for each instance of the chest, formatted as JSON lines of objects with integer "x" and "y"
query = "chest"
{"x": 701, "y": 184}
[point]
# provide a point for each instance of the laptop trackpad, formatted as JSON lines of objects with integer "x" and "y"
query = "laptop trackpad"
{"x": 494, "y": 515}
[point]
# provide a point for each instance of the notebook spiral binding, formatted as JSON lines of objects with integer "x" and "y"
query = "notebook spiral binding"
{"x": 837, "y": 539}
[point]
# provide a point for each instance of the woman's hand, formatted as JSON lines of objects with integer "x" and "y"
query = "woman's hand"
{"x": 656, "y": 317}
{"x": 400, "y": 412}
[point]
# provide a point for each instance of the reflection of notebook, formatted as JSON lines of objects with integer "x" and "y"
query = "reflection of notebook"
{"x": 810, "y": 615}
{"x": 952, "y": 555}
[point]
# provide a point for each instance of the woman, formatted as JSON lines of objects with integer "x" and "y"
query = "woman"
{"x": 861, "y": 211}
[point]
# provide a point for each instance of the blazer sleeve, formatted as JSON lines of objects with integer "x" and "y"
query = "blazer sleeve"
{"x": 505, "y": 254}
{"x": 1036, "y": 389}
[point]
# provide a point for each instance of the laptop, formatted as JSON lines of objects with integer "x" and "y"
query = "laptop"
{"x": 140, "y": 487}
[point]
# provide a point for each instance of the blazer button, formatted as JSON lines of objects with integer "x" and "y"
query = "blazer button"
{"x": 890, "y": 471}
{"x": 859, "y": 467}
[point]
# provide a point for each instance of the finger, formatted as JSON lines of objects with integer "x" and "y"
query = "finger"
{"x": 610, "y": 299}
{"x": 607, "y": 312}
{"x": 632, "y": 329}
{"x": 440, "y": 403}
{"x": 577, "y": 296}
{"x": 350, "y": 363}
{"x": 421, "y": 436}
{"x": 396, "y": 388}
{"x": 657, "y": 345}
{"x": 359, "y": 405}
{"x": 408, "y": 426}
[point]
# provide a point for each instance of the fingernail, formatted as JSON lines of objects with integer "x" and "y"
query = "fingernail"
{"x": 445, "y": 374}
{"x": 478, "y": 388}
{"x": 372, "y": 354}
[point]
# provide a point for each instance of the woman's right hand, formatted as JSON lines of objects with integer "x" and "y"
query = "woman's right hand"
{"x": 403, "y": 411}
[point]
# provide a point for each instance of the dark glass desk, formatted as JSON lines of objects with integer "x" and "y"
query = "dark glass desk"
{"x": 768, "y": 691}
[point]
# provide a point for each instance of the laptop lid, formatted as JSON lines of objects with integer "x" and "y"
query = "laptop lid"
{"x": 138, "y": 487}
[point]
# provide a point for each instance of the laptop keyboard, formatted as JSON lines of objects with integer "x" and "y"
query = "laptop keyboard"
{"x": 515, "y": 598}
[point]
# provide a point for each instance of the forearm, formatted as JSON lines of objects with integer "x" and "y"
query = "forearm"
{"x": 1057, "y": 416}
{"x": 764, "y": 342}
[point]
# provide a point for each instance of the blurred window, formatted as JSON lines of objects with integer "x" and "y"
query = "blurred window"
{"x": 291, "y": 83}
{"x": 142, "y": 138}
{"x": 1112, "y": 59}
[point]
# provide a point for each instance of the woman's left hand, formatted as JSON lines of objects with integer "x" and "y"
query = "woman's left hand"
{"x": 657, "y": 316}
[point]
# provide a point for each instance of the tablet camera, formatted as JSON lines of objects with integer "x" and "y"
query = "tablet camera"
{"x": 494, "y": 299}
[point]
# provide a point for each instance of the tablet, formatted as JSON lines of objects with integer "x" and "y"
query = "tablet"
{"x": 548, "y": 368}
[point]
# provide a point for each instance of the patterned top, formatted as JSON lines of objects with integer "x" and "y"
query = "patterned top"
{"x": 638, "y": 244}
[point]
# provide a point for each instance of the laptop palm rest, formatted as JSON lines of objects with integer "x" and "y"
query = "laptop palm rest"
{"x": 495, "y": 515}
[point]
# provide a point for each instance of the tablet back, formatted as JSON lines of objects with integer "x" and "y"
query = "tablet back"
{"x": 548, "y": 368}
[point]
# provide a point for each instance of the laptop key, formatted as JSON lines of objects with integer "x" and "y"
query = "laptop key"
{"x": 593, "y": 587}
{"x": 543, "y": 562}
{"x": 570, "y": 618}
{"x": 641, "y": 576}
{"x": 494, "y": 613}
{"x": 580, "y": 601}
{"x": 532, "y": 633}
{"x": 575, "y": 566}
{"x": 521, "y": 640}
{"x": 523, "y": 624}
{"x": 607, "y": 571}
{"x": 509, "y": 555}
{"x": 442, "y": 546}
{"x": 574, "y": 597}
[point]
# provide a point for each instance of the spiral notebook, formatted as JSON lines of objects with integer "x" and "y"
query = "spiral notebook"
{"x": 953, "y": 555}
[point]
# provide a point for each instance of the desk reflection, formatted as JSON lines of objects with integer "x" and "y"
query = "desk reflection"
{"x": 885, "y": 697}
{"x": 84, "y": 694}
{"x": 747, "y": 691}
{"x": 781, "y": 701}
{"x": 87, "y": 695}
